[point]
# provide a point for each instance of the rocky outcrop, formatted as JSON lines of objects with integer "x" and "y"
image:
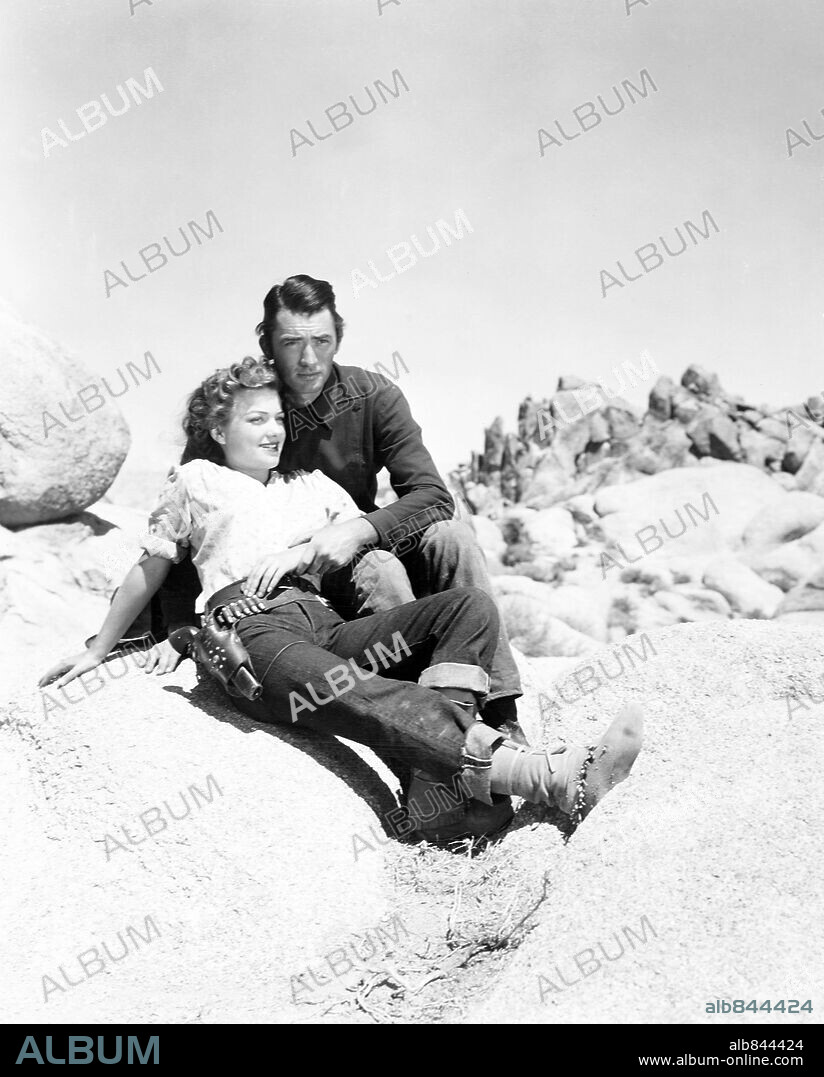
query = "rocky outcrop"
{"x": 715, "y": 541}
{"x": 704, "y": 508}
{"x": 747, "y": 594}
{"x": 60, "y": 445}
{"x": 586, "y": 436}
{"x": 56, "y": 579}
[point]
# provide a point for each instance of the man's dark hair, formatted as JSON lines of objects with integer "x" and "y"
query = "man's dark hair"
{"x": 300, "y": 294}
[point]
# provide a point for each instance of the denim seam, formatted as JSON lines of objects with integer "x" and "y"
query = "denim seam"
{"x": 294, "y": 643}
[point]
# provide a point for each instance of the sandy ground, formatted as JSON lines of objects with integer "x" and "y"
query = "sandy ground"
{"x": 695, "y": 880}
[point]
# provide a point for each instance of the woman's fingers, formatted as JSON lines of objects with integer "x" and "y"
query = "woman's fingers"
{"x": 277, "y": 574}
{"x": 152, "y": 658}
{"x": 266, "y": 575}
{"x": 253, "y": 579}
{"x": 70, "y": 667}
{"x": 83, "y": 666}
{"x": 161, "y": 659}
{"x": 67, "y": 678}
{"x": 168, "y": 659}
{"x": 268, "y": 579}
{"x": 259, "y": 581}
{"x": 54, "y": 671}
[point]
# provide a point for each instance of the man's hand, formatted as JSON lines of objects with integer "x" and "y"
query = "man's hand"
{"x": 336, "y": 545}
{"x": 162, "y": 658}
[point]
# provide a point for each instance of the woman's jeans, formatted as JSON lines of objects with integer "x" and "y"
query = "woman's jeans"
{"x": 354, "y": 679}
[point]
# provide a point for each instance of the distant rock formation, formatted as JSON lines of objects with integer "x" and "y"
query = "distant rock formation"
{"x": 584, "y": 436}
{"x": 60, "y": 445}
{"x": 598, "y": 523}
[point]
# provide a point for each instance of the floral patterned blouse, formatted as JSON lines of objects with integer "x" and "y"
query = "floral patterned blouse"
{"x": 229, "y": 520}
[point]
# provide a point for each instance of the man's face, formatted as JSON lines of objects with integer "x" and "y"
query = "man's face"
{"x": 303, "y": 347}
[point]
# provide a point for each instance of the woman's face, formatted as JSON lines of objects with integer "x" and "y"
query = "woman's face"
{"x": 253, "y": 436}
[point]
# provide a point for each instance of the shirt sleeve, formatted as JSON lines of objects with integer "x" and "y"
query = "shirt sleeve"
{"x": 170, "y": 523}
{"x": 422, "y": 495}
{"x": 337, "y": 502}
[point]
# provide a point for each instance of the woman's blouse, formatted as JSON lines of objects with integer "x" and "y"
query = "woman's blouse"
{"x": 229, "y": 520}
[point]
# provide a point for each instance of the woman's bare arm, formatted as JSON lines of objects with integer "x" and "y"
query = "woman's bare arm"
{"x": 141, "y": 582}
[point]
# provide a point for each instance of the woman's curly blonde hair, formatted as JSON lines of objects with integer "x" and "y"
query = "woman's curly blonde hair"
{"x": 211, "y": 404}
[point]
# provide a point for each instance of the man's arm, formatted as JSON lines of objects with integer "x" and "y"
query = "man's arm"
{"x": 422, "y": 495}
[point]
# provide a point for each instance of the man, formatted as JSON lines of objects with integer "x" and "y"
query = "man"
{"x": 350, "y": 423}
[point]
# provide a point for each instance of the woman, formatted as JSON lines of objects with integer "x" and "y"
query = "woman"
{"x": 248, "y": 527}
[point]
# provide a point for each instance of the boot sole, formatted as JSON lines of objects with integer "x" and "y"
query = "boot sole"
{"x": 613, "y": 758}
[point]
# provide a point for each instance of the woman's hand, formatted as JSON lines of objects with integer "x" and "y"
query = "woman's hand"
{"x": 70, "y": 668}
{"x": 162, "y": 659}
{"x": 270, "y": 569}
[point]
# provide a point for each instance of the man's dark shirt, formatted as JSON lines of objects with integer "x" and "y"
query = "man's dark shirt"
{"x": 359, "y": 424}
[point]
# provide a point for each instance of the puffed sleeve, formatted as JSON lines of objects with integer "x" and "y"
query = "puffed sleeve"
{"x": 170, "y": 523}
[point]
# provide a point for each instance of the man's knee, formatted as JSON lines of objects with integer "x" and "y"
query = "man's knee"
{"x": 450, "y": 556}
{"x": 453, "y": 536}
{"x": 479, "y": 603}
{"x": 381, "y": 581}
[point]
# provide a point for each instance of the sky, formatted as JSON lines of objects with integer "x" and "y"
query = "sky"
{"x": 503, "y": 310}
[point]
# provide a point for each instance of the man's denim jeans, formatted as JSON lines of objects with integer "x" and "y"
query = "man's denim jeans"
{"x": 352, "y": 678}
{"x": 445, "y": 555}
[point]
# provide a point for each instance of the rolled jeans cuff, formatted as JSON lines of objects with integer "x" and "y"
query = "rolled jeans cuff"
{"x": 476, "y": 762}
{"x": 455, "y": 675}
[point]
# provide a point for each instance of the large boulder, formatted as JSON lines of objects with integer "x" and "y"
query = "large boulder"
{"x": 798, "y": 445}
{"x": 583, "y": 608}
{"x": 570, "y": 435}
{"x": 693, "y": 604}
{"x": 489, "y": 538}
{"x": 713, "y": 433}
{"x": 790, "y": 518}
{"x": 57, "y": 579}
{"x": 760, "y": 450}
{"x": 622, "y": 421}
{"x": 634, "y": 610}
{"x": 551, "y": 481}
{"x": 810, "y": 475}
{"x": 533, "y": 629}
{"x": 702, "y": 383}
{"x": 661, "y": 445}
{"x": 56, "y": 458}
{"x": 747, "y": 593}
{"x": 694, "y": 511}
{"x": 660, "y": 398}
{"x": 806, "y": 596}
{"x": 550, "y": 531}
{"x": 790, "y": 563}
